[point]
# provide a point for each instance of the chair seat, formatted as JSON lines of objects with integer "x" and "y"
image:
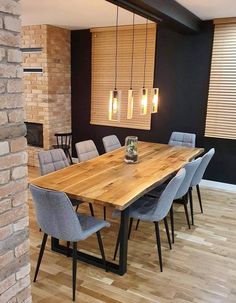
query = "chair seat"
{"x": 142, "y": 209}
{"x": 156, "y": 192}
{"x": 75, "y": 202}
{"x": 90, "y": 225}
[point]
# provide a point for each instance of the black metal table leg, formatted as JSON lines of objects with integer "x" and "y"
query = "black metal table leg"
{"x": 124, "y": 222}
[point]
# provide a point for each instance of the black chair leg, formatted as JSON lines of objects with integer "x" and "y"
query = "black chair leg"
{"x": 74, "y": 268}
{"x": 172, "y": 224}
{"x": 67, "y": 152}
{"x": 77, "y": 208}
{"x": 71, "y": 161}
{"x": 187, "y": 216}
{"x": 137, "y": 224}
{"x": 199, "y": 198}
{"x": 101, "y": 249}
{"x": 117, "y": 245}
{"x": 158, "y": 244}
{"x": 68, "y": 248}
{"x": 104, "y": 212}
{"x": 191, "y": 204}
{"x": 91, "y": 209}
{"x": 167, "y": 232}
{"x": 44, "y": 241}
{"x": 130, "y": 227}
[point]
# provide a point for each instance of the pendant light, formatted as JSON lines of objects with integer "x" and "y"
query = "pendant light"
{"x": 155, "y": 100}
{"x": 130, "y": 91}
{"x": 144, "y": 91}
{"x": 115, "y": 95}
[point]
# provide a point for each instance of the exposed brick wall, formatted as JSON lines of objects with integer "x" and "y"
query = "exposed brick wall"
{"x": 47, "y": 95}
{"x": 14, "y": 237}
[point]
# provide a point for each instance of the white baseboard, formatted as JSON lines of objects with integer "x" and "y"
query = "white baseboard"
{"x": 218, "y": 185}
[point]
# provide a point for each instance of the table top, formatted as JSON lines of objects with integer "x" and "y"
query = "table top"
{"x": 109, "y": 181}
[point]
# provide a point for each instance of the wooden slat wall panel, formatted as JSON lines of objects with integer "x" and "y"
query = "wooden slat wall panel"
{"x": 221, "y": 109}
{"x": 103, "y": 72}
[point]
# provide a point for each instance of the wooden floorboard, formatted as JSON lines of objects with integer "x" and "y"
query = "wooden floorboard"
{"x": 201, "y": 268}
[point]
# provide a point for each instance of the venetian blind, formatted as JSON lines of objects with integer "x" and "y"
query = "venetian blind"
{"x": 221, "y": 110}
{"x": 103, "y": 73}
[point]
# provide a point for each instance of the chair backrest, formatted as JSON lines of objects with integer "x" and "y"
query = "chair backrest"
{"x": 202, "y": 167}
{"x": 63, "y": 140}
{"x": 190, "y": 169}
{"x": 111, "y": 143}
{"x": 182, "y": 139}
{"x": 52, "y": 160}
{"x": 55, "y": 214}
{"x": 166, "y": 199}
{"x": 86, "y": 150}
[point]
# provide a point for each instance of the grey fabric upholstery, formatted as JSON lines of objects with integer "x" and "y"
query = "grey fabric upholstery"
{"x": 202, "y": 167}
{"x": 182, "y": 139}
{"x": 154, "y": 209}
{"x": 111, "y": 143}
{"x": 52, "y": 160}
{"x": 86, "y": 150}
{"x": 190, "y": 169}
{"x": 57, "y": 218}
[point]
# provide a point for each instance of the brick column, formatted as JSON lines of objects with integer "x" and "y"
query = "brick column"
{"x": 14, "y": 236}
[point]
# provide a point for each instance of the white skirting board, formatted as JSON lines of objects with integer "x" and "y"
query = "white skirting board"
{"x": 218, "y": 185}
{"x": 204, "y": 183}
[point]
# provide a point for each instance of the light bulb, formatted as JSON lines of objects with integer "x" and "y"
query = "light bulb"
{"x": 130, "y": 104}
{"x": 144, "y": 101}
{"x": 114, "y": 105}
{"x": 155, "y": 100}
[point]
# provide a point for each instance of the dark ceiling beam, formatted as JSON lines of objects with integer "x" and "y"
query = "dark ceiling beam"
{"x": 168, "y": 12}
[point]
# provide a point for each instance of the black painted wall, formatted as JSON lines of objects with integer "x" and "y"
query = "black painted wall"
{"x": 182, "y": 75}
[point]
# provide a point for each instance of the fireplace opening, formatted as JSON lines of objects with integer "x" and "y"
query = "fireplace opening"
{"x": 34, "y": 134}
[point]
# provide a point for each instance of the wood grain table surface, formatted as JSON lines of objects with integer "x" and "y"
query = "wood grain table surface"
{"x": 109, "y": 181}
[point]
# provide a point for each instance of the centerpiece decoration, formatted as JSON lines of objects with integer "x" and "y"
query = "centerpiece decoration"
{"x": 131, "y": 149}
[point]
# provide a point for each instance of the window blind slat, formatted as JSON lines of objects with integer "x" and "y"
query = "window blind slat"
{"x": 221, "y": 109}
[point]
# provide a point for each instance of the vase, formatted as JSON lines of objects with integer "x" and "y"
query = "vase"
{"x": 131, "y": 149}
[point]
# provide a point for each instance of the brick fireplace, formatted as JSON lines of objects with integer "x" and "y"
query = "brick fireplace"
{"x": 47, "y": 87}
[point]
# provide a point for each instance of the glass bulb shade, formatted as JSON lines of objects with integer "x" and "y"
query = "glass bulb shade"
{"x": 155, "y": 100}
{"x": 130, "y": 107}
{"x": 144, "y": 101}
{"x": 114, "y": 105}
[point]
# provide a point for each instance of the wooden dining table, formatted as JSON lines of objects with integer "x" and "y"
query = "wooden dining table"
{"x": 107, "y": 180}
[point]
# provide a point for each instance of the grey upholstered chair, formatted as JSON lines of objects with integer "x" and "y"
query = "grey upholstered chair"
{"x": 56, "y": 217}
{"x": 111, "y": 143}
{"x": 154, "y": 209}
{"x": 181, "y": 196}
{"x": 182, "y": 139}
{"x": 52, "y": 160}
{"x": 86, "y": 150}
{"x": 198, "y": 177}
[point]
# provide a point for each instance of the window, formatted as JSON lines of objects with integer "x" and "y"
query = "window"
{"x": 103, "y": 71}
{"x": 221, "y": 110}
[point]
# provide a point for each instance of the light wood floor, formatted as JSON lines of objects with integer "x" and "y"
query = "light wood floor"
{"x": 201, "y": 267}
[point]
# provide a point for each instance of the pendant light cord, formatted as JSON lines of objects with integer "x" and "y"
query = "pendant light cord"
{"x": 145, "y": 56}
{"x": 116, "y": 61}
{"x": 132, "y": 58}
